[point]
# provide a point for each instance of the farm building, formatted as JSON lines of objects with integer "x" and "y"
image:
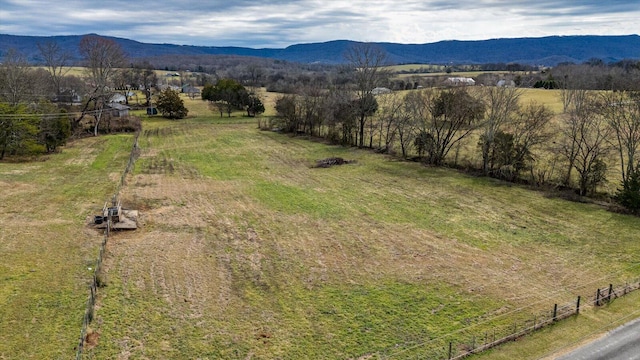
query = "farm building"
{"x": 67, "y": 96}
{"x": 191, "y": 90}
{"x": 164, "y": 87}
{"x": 506, "y": 83}
{"x": 118, "y": 110}
{"x": 459, "y": 81}
{"x": 380, "y": 90}
{"x": 117, "y": 98}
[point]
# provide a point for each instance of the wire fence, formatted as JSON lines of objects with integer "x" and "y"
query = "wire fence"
{"x": 468, "y": 343}
{"x": 443, "y": 348}
{"x": 97, "y": 278}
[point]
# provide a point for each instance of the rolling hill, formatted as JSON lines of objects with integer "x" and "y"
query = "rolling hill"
{"x": 547, "y": 51}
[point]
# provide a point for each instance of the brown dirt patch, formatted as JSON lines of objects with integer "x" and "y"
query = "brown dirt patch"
{"x": 91, "y": 339}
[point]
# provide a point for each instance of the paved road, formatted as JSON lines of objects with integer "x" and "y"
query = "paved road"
{"x": 622, "y": 343}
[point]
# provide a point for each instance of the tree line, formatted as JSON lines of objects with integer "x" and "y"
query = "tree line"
{"x": 41, "y": 107}
{"x": 489, "y": 130}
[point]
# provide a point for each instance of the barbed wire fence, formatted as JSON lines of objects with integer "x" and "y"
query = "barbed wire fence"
{"x": 441, "y": 348}
{"x": 98, "y": 277}
{"x": 466, "y": 343}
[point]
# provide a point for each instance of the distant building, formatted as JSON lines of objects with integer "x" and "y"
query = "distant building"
{"x": 164, "y": 87}
{"x": 67, "y": 96}
{"x": 118, "y": 110}
{"x": 117, "y": 98}
{"x": 506, "y": 83}
{"x": 380, "y": 90}
{"x": 459, "y": 81}
{"x": 191, "y": 90}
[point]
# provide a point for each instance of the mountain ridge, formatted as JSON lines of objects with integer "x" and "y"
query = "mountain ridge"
{"x": 548, "y": 51}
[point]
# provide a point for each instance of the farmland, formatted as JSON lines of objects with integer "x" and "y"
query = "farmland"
{"x": 46, "y": 252}
{"x": 246, "y": 250}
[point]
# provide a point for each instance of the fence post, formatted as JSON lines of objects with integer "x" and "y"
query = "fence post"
{"x": 598, "y": 297}
{"x": 450, "y": 349}
{"x": 578, "y": 305}
{"x": 610, "y": 292}
{"x": 89, "y": 312}
{"x": 555, "y": 312}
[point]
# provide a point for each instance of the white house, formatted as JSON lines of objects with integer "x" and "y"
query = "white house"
{"x": 117, "y": 98}
{"x": 459, "y": 81}
{"x": 506, "y": 83}
{"x": 380, "y": 90}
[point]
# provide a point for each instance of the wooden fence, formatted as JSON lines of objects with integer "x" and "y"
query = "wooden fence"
{"x": 97, "y": 279}
{"x": 446, "y": 349}
{"x": 450, "y": 348}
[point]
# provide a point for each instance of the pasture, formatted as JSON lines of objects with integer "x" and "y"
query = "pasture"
{"x": 247, "y": 251}
{"x": 46, "y": 252}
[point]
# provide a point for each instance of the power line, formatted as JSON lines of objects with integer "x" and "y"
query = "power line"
{"x": 37, "y": 115}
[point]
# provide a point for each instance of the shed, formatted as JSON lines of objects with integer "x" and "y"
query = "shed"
{"x": 118, "y": 110}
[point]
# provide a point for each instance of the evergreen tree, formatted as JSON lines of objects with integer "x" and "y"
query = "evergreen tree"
{"x": 629, "y": 195}
{"x": 170, "y": 105}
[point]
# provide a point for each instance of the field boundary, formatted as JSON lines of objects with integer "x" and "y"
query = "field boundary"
{"x": 449, "y": 348}
{"x": 97, "y": 278}
{"x": 602, "y": 297}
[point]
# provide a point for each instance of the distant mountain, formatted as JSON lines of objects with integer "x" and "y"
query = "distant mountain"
{"x": 536, "y": 51}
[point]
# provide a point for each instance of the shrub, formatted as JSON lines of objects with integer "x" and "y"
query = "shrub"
{"x": 629, "y": 195}
{"x": 170, "y": 105}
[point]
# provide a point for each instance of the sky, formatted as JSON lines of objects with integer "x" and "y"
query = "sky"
{"x": 280, "y": 23}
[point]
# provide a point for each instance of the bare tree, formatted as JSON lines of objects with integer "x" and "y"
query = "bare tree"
{"x": 103, "y": 57}
{"x": 255, "y": 72}
{"x": 144, "y": 78}
{"x": 16, "y": 79}
{"x": 411, "y": 117}
{"x": 585, "y": 143}
{"x": 622, "y": 111}
{"x": 530, "y": 129}
{"x": 367, "y": 61}
{"x": 502, "y": 103}
{"x": 311, "y": 109}
{"x": 453, "y": 115}
{"x": 414, "y": 125}
{"x": 388, "y": 117}
{"x": 339, "y": 115}
{"x": 578, "y": 104}
{"x": 56, "y": 61}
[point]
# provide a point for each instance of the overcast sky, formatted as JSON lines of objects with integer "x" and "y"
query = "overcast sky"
{"x": 279, "y": 23}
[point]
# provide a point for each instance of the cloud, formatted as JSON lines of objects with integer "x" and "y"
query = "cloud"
{"x": 268, "y": 23}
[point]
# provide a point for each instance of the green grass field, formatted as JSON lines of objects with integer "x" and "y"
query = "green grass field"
{"x": 46, "y": 252}
{"x": 246, "y": 250}
{"x": 568, "y": 335}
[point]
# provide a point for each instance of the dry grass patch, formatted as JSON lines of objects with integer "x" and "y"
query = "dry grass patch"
{"x": 252, "y": 252}
{"x": 46, "y": 252}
